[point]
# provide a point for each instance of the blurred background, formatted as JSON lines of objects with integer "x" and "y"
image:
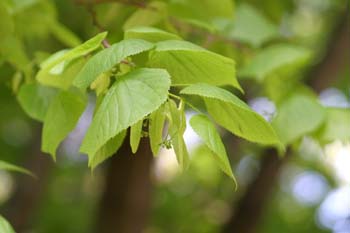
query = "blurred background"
{"x": 307, "y": 191}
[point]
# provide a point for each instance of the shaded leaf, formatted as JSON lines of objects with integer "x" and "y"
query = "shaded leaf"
{"x": 233, "y": 114}
{"x": 63, "y": 34}
{"x": 337, "y": 125}
{"x": 177, "y": 127}
{"x": 35, "y": 99}
{"x": 132, "y": 97}
{"x": 150, "y": 34}
{"x": 10, "y": 167}
{"x": 135, "y": 135}
{"x": 188, "y": 63}
{"x": 107, "y": 150}
{"x": 109, "y": 57}
{"x": 297, "y": 116}
{"x": 250, "y": 27}
{"x": 153, "y": 14}
{"x": 205, "y": 10}
{"x": 61, "y": 118}
{"x": 155, "y": 130}
{"x": 276, "y": 58}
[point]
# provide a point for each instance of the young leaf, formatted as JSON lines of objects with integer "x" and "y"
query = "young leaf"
{"x": 281, "y": 57}
{"x": 61, "y": 118}
{"x": 109, "y": 57}
{"x": 297, "y": 116}
{"x": 150, "y": 34}
{"x": 337, "y": 125}
{"x": 207, "y": 132}
{"x": 135, "y": 135}
{"x": 62, "y": 77}
{"x": 130, "y": 99}
{"x": 101, "y": 83}
{"x": 233, "y": 114}
{"x": 155, "y": 130}
{"x": 10, "y": 167}
{"x": 5, "y": 226}
{"x": 188, "y": 63}
{"x": 35, "y": 99}
{"x": 107, "y": 150}
{"x": 81, "y": 50}
{"x": 177, "y": 127}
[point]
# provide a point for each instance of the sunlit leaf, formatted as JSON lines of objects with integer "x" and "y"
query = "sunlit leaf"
{"x": 206, "y": 130}
{"x": 188, "y": 63}
{"x": 81, "y": 50}
{"x": 109, "y": 57}
{"x": 61, "y": 77}
{"x": 233, "y": 114}
{"x": 5, "y": 226}
{"x": 130, "y": 99}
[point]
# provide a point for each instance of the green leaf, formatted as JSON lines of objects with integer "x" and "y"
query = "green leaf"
{"x": 62, "y": 76}
{"x": 150, "y": 34}
{"x": 135, "y": 135}
{"x": 10, "y": 167}
{"x": 207, "y": 132}
{"x": 251, "y": 27}
{"x": 284, "y": 58}
{"x": 132, "y": 97}
{"x": 7, "y": 25}
{"x": 177, "y": 127}
{"x": 12, "y": 50}
{"x": 297, "y": 116}
{"x": 35, "y": 99}
{"x": 233, "y": 114}
{"x": 5, "y": 226}
{"x": 61, "y": 118}
{"x": 337, "y": 125}
{"x": 155, "y": 130}
{"x": 107, "y": 150}
{"x": 153, "y": 14}
{"x": 101, "y": 83}
{"x": 79, "y": 51}
{"x": 63, "y": 34}
{"x": 201, "y": 10}
{"x": 188, "y": 63}
{"x": 109, "y": 57}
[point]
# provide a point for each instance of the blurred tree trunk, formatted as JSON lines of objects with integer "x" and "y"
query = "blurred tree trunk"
{"x": 126, "y": 201}
{"x": 249, "y": 210}
{"x": 22, "y": 206}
